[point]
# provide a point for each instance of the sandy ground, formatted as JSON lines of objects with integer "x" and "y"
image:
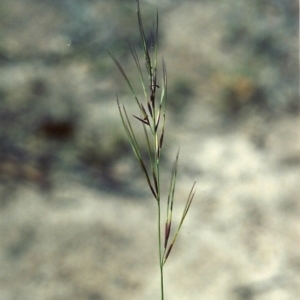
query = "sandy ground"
{"x": 240, "y": 240}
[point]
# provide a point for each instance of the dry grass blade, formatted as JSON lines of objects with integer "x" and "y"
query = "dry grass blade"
{"x": 145, "y": 120}
{"x": 161, "y": 139}
{"x": 144, "y": 113}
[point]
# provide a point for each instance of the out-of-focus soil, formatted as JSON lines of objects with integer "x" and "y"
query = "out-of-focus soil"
{"x": 76, "y": 218}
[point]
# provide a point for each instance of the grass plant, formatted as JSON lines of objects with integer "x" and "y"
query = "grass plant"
{"x": 151, "y": 117}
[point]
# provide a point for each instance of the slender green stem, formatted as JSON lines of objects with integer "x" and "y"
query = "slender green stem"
{"x": 157, "y": 173}
{"x": 161, "y": 265}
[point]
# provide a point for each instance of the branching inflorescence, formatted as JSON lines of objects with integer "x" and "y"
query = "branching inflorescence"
{"x": 151, "y": 116}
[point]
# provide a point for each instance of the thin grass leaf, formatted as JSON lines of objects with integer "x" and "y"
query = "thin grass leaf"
{"x": 153, "y": 78}
{"x": 154, "y": 45}
{"x": 168, "y": 253}
{"x": 185, "y": 211}
{"x": 148, "y": 180}
{"x": 130, "y": 134}
{"x": 122, "y": 71}
{"x": 148, "y": 143}
{"x": 163, "y": 103}
{"x": 143, "y": 39}
{"x": 163, "y": 97}
{"x": 136, "y": 59}
{"x": 132, "y": 138}
{"x": 125, "y": 77}
{"x": 156, "y": 41}
{"x": 135, "y": 147}
{"x": 188, "y": 203}
{"x": 170, "y": 201}
{"x": 151, "y": 160}
{"x": 155, "y": 181}
{"x": 139, "y": 157}
{"x": 137, "y": 62}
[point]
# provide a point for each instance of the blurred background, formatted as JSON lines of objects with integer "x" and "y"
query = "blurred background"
{"x": 76, "y": 218}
